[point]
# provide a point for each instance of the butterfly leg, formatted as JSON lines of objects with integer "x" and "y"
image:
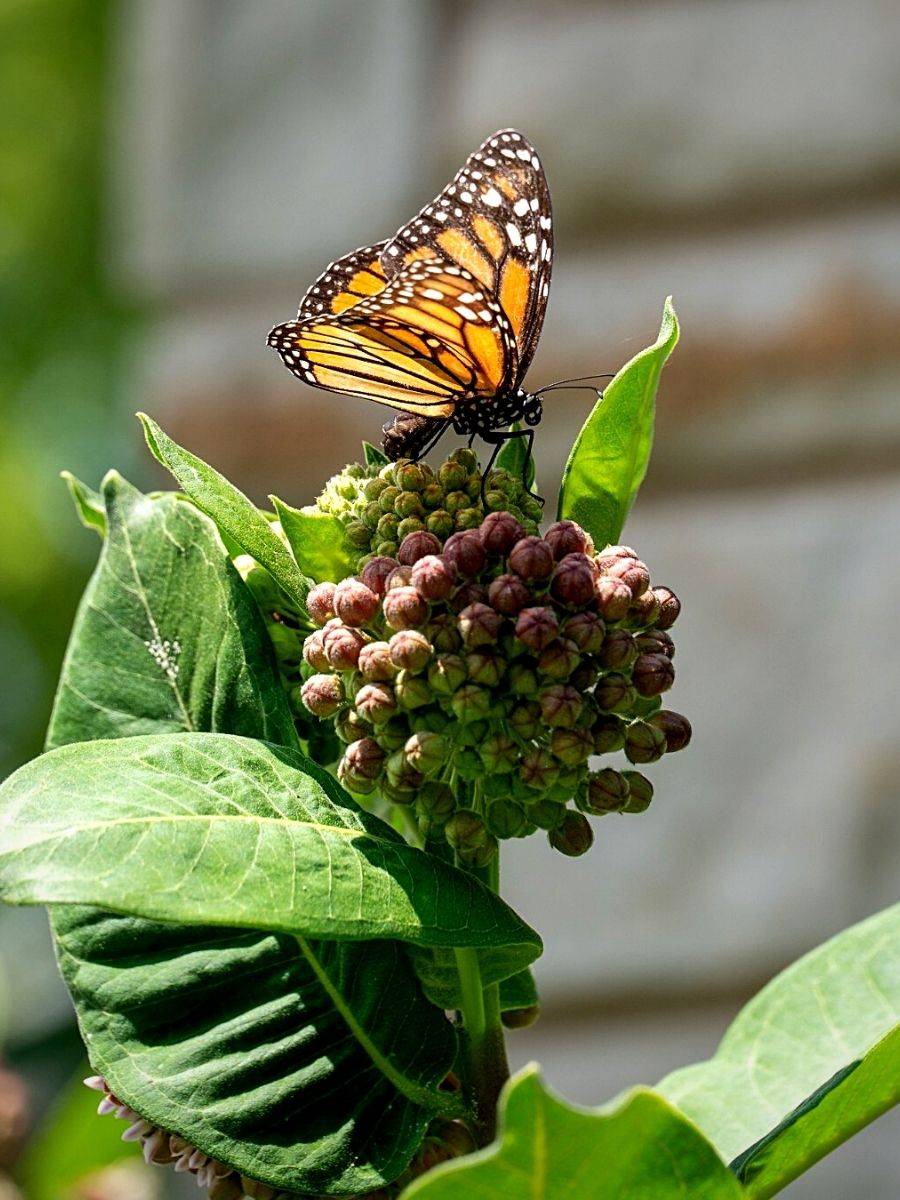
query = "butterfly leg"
{"x": 498, "y": 439}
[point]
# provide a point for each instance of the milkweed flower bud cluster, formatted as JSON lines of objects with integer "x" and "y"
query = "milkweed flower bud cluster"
{"x": 472, "y": 679}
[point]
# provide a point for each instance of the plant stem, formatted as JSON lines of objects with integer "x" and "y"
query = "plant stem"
{"x": 485, "y": 1045}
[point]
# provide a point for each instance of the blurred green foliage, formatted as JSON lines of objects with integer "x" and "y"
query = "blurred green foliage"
{"x": 63, "y": 339}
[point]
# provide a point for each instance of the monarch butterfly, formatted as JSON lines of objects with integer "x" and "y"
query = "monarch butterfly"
{"x": 441, "y": 320}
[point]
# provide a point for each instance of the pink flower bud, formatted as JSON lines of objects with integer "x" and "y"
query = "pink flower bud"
{"x": 416, "y": 545}
{"x": 479, "y": 625}
{"x": 531, "y": 558}
{"x": 376, "y": 571}
{"x": 655, "y": 641}
{"x": 618, "y": 651}
{"x": 342, "y": 646}
{"x": 677, "y": 729}
{"x": 404, "y": 608}
{"x": 433, "y": 578}
{"x": 508, "y": 594}
{"x": 354, "y": 602}
{"x": 586, "y": 630}
{"x": 631, "y": 571}
{"x": 499, "y": 533}
{"x": 375, "y": 664}
{"x": 376, "y": 702}
{"x": 565, "y": 537}
{"x": 366, "y": 757}
{"x": 644, "y": 610}
{"x": 323, "y": 695}
{"x": 536, "y": 627}
{"x": 653, "y": 674}
{"x": 560, "y": 705}
{"x": 572, "y": 836}
{"x": 485, "y": 666}
{"x": 613, "y": 598}
{"x": 573, "y": 581}
{"x": 669, "y": 607}
{"x": 425, "y": 752}
{"x": 314, "y": 652}
{"x": 465, "y": 551}
{"x": 469, "y": 593}
{"x": 410, "y": 650}
{"x": 401, "y": 576}
{"x": 559, "y": 659}
{"x": 320, "y": 603}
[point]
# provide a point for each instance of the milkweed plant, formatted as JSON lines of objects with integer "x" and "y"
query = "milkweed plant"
{"x": 285, "y": 755}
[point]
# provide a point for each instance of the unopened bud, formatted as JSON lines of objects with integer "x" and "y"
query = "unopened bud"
{"x": 499, "y": 533}
{"x": 643, "y": 610}
{"x": 545, "y": 813}
{"x": 653, "y": 674}
{"x": 584, "y": 676}
{"x": 506, "y": 819}
{"x": 560, "y": 705}
{"x": 426, "y": 752}
{"x": 365, "y": 757}
{"x": 320, "y": 603}
{"x": 573, "y": 581}
{"x": 401, "y": 576}
{"x": 572, "y": 746}
{"x": 471, "y": 703}
{"x": 469, "y": 593}
{"x": 376, "y": 702}
{"x": 436, "y": 801}
{"x": 565, "y": 537}
{"x": 452, "y": 476}
{"x": 410, "y": 650}
{"x": 655, "y": 641}
{"x": 640, "y": 792}
{"x": 630, "y": 570}
{"x": 669, "y": 607}
{"x": 607, "y": 791}
{"x": 523, "y": 679}
{"x": 508, "y": 594}
{"x": 314, "y": 652}
{"x": 573, "y": 835}
{"x": 675, "y": 727}
{"x": 404, "y": 608}
{"x": 387, "y": 496}
{"x": 443, "y": 633}
{"x": 644, "y": 743}
{"x": 613, "y": 598}
{"x": 354, "y": 602}
{"x": 376, "y": 571}
{"x": 446, "y": 673}
{"x": 538, "y": 769}
{"x": 432, "y": 496}
{"x": 358, "y": 535}
{"x": 409, "y": 525}
{"x": 559, "y": 659}
{"x": 608, "y": 733}
{"x": 586, "y": 630}
{"x": 342, "y": 646}
{"x": 525, "y": 718}
{"x": 440, "y": 523}
{"x": 618, "y": 651}
{"x": 537, "y": 627}
{"x": 393, "y": 733}
{"x": 387, "y": 527}
{"x": 323, "y": 695}
{"x": 412, "y": 691}
{"x": 375, "y": 663}
{"x": 465, "y": 551}
{"x": 531, "y": 558}
{"x": 499, "y": 754}
{"x": 485, "y": 666}
{"x": 433, "y": 578}
{"x": 350, "y": 726}
{"x": 401, "y": 774}
{"x": 466, "y": 831}
{"x": 479, "y": 625}
{"x": 416, "y": 545}
{"x": 456, "y": 502}
{"x": 614, "y": 693}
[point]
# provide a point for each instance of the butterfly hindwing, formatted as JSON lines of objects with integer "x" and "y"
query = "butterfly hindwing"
{"x": 345, "y": 282}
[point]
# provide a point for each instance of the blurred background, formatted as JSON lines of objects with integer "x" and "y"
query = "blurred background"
{"x": 172, "y": 177}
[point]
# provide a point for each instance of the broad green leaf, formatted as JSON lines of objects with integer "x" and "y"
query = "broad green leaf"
{"x": 437, "y": 972}
{"x": 373, "y": 456}
{"x": 232, "y": 512}
{"x": 230, "y": 831}
{"x": 807, "y": 1063}
{"x": 88, "y": 503}
{"x": 71, "y": 1144}
{"x": 167, "y": 637}
{"x": 311, "y": 1066}
{"x": 318, "y": 542}
{"x": 608, "y": 462}
{"x": 515, "y": 458}
{"x": 638, "y": 1149}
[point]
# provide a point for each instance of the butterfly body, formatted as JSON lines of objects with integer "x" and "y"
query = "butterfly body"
{"x": 442, "y": 320}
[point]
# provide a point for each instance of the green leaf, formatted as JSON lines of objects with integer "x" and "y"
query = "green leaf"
{"x": 515, "y": 458}
{"x": 88, "y": 503}
{"x": 167, "y": 637}
{"x": 810, "y": 1060}
{"x": 518, "y": 991}
{"x": 230, "y": 831}
{"x": 439, "y": 977}
{"x": 608, "y": 462}
{"x": 232, "y": 512}
{"x": 373, "y": 456}
{"x": 318, "y": 542}
{"x": 638, "y": 1149}
{"x": 311, "y": 1066}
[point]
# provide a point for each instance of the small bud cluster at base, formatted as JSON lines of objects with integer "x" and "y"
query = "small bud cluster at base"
{"x": 499, "y": 662}
{"x": 444, "y": 1140}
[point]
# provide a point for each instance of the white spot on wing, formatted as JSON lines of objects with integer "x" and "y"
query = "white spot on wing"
{"x": 492, "y": 197}
{"x": 512, "y": 232}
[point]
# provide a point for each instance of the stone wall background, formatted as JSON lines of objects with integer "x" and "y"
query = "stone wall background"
{"x": 744, "y": 157}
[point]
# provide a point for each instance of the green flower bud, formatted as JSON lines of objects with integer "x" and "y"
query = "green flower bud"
{"x": 443, "y": 633}
{"x": 401, "y": 774}
{"x": 538, "y": 769}
{"x": 468, "y": 518}
{"x": 395, "y": 795}
{"x": 561, "y": 705}
{"x": 446, "y": 673}
{"x": 466, "y": 831}
{"x": 371, "y": 515}
{"x": 481, "y": 855}
{"x": 435, "y": 801}
{"x": 607, "y": 792}
{"x": 644, "y": 743}
{"x": 413, "y": 476}
{"x": 525, "y": 720}
{"x": 386, "y": 549}
{"x": 505, "y": 818}
{"x": 586, "y": 630}
{"x": 426, "y": 752}
{"x": 499, "y": 754}
{"x": 374, "y": 487}
{"x": 470, "y": 733}
{"x": 432, "y": 496}
{"x": 388, "y": 498}
{"x": 573, "y": 835}
{"x": 545, "y": 814}
{"x": 412, "y": 691}
{"x": 358, "y": 535}
{"x": 455, "y": 502}
{"x": 566, "y": 786}
{"x": 394, "y": 733}
{"x": 485, "y": 666}
{"x": 467, "y": 765}
{"x": 523, "y": 680}
{"x": 471, "y": 703}
{"x": 640, "y": 792}
{"x": 572, "y": 746}
{"x": 608, "y": 732}
{"x": 410, "y": 525}
{"x": 614, "y": 693}
{"x": 559, "y": 659}
{"x": 440, "y": 523}
{"x": 430, "y": 719}
{"x": 350, "y": 726}
{"x": 386, "y": 529}
{"x": 452, "y": 476}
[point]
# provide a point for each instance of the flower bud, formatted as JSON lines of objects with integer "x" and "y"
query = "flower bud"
{"x": 404, "y": 608}
{"x": 538, "y": 769}
{"x": 485, "y": 666}
{"x": 320, "y": 603}
{"x": 469, "y": 593}
{"x": 643, "y": 610}
{"x": 536, "y": 627}
{"x": 376, "y": 571}
{"x": 358, "y": 535}
{"x": 314, "y": 652}
{"x": 655, "y": 641}
{"x": 573, "y": 835}
{"x": 350, "y": 726}
{"x": 413, "y": 476}
{"x": 471, "y": 703}
{"x": 560, "y": 705}
{"x": 508, "y": 594}
{"x": 630, "y": 570}
{"x": 607, "y": 792}
{"x": 400, "y": 773}
{"x": 572, "y": 746}
{"x": 545, "y": 813}
{"x": 608, "y": 733}
{"x": 393, "y": 733}
{"x": 618, "y": 651}
{"x": 565, "y": 537}
{"x": 412, "y": 691}
{"x": 416, "y": 545}
{"x": 432, "y": 495}
{"x": 614, "y": 693}
{"x": 387, "y": 548}
{"x": 465, "y": 551}
{"x": 375, "y": 663}
{"x": 523, "y": 680}
{"x": 401, "y": 576}
{"x": 436, "y": 801}
{"x": 466, "y": 830}
{"x": 499, "y": 754}
{"x": 433, "y": 578}
{"x": 446, "y": 673}
{"x": 387, "y": 528}
{"x": 525, "y": 719}
{"x": 675, "y": 727}
{"x": 479, "y": 625}
{"x": 520, "y": 1018}
{"x": 644, "y": 743}
{"x": 323, "y": 695}
{"x": 410, "y": 650}
{"x": 354, "y": 602}
{"x": 443, "y": 633}
{"x": 653, "y": 674}
{"x": 468, "y": 518}
{"x": 398, "y": 795}
{"x": 374, "y": 487}
{"x": 669, "y": 607}
{"x": 584, "y": 676}
{"x": 466, "y": 762}
{"x": 409, "y": 504}
{"x": 506, "y": 819}
{"x": 455, "y": 502}
{"x": 586, "y": 630}
{"x": 640, "y": 792}
{"x": 429, "y": 720}
{"x": 499, "y": 532}
{"x": 371, "y": 515}
{"x": 531, "y": 558}
{"x": 365, "y": 758}
{"x": 613, "y": 598}
{"x": 573, "y": 581}
{"x": 376, "y": 702}
{"x": 426, "y": 752}
{"x": 559, "y": 659}
{"x": 387, "y": 497}
{"x": 440, "y": 523}
{"x": 481, "y": 855}
{"x": 452, "y": 476}
{"x": 410, "y": 525}
{"x": 342, "y": 646}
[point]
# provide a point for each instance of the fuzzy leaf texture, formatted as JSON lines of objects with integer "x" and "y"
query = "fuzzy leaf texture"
{"x": 639, "y": 1148}
{"x": 236, "y": 517}
{"x": 320, "y": 1061}
{"x": 609, "y": 460}
{"x": 810, "y": 1060}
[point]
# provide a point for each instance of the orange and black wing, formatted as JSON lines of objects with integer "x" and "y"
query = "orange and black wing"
{"x": 345, "y": 282}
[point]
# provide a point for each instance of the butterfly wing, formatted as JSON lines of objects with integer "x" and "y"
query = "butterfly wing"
{"x": 345, "y": 282}
{"x": 493, "y": 219}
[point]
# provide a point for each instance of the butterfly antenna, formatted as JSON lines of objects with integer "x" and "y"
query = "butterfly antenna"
{"x": 579, "y": 379}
